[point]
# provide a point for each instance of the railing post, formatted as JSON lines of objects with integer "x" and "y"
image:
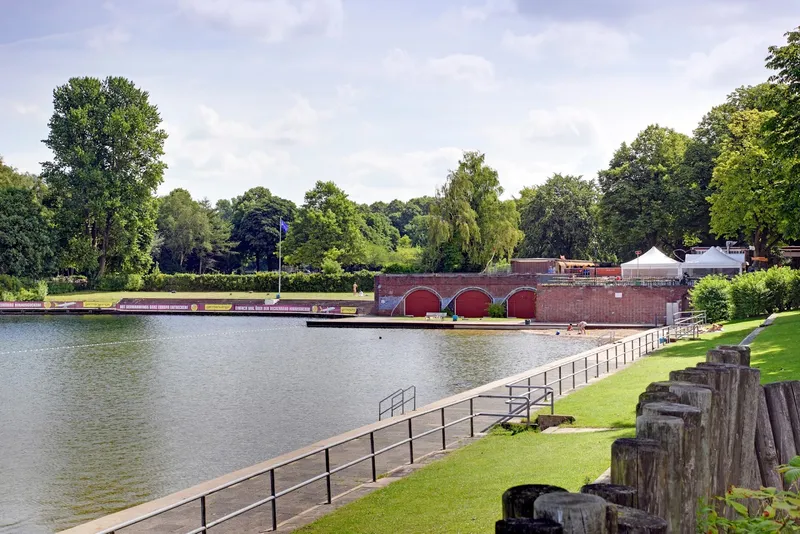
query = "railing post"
{"x": 616, "y": 356}
{"x": 608, "y": 356}
{"x": 586, "y": 369}
{"x": 372, "y": 457}
{"x": 410, "y": 442}
{"x": 559, "y": 380}
{"x": 444, "y": 436}
{"x": 274, "y": 501}
{"x": 471, "y": 420}
{"x": 328, "y": 472}
{"x": 573, "y": 375}
{"x": 597, "y": 365}
{"x": 203, "y": 512}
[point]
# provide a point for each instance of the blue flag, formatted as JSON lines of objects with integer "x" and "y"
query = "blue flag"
{"x": 284, "y": 226}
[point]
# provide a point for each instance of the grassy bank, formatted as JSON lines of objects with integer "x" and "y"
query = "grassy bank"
{"x": 118, "y": 295}
{"x": 461, "y": 493}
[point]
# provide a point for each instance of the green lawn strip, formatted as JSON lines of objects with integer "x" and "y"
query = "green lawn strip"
{"x": 776, "y": 350}
{"x": 611, "y": 401}
{"x": 462, "y": 492}
{"x": 115, "y": 296}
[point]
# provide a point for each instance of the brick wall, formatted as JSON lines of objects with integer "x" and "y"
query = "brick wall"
{"x": 637, "y": 305}
{"x": 562, "y": 304}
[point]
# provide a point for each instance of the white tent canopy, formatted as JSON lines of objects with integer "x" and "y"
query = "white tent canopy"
{"x": 712, "y": 261}
{"x": 652, "y": 264}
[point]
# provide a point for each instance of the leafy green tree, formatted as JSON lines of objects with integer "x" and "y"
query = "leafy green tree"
{"x": 469, "y": 225}
{"x": 256, "y": 225}
{"x": 107, "y": 146}
{"x": 378, "y": 229}
{"x": 327, "y": 220}
{"x": 641, "y": 191}
{"x": 754, "y": 188}
{"x": 25, "y": 233}
{"x": 558, "y": 218}
{"x": 11, "y": 177}
{"x": 184, "y": 227}
{"x": 219, "y": 252}
{"x": 417, "y": 230}
{"x": 785, "y": 125}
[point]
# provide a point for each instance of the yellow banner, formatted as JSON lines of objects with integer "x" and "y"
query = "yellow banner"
{"x": 347, "y": 309}
{"x": 219, "y": 307}
{"x": 100, "y": 304}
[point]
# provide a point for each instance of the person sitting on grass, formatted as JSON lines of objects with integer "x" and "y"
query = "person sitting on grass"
{"x": 569, "y": 329}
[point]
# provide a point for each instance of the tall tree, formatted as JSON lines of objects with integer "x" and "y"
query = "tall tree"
{"x": 785, "y": 125}
{"x": 11, "y": 177}
{"x": 107, "y": 146}
{"x": 257, "y": 227}
{"x": 185, "y": 228}
{"x": 641, "y": 192}
{"x": 558, "y": 218}
{"x": 469, "y": 225}
{"x": 25, "y": 233}
{"x": 755, "y": 190}
{"x": 328, "y": 223}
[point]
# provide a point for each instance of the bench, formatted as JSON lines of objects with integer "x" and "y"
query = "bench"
{"x": 433, "y": 315}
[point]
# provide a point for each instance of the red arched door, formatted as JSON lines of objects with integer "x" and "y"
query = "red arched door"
{"x": 422, "y": 301}
{"x": 522, "y": 304}
{"x": 472, "y": 303}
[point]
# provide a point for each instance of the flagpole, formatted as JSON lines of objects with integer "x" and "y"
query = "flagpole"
{"x": 280, "y": 269}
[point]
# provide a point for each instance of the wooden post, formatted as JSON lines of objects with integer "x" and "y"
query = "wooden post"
{"x": 578, "y": 513}
{"x": 633, "y": 521}
{"x": 718, "y": 355}
{"x": 642, "y": 464}
{"x": 669, "y": 432}
{"x": 665, "y": 385}
{"x": 654, "y": 396}
{"x": 749, "y": 389}
{"x": 766, "y": 454}
{"x": 526, "y": 525}
{"x": 778, "y": 408}
{"x": 794, "y": 410}
{"x": 692, "y": 488}
{"x": 614, "y": 493}
{"x": 743, "y": 350}
{"x": 727, "y": 383}
{"x": 701, "y": 397}
{"x": 518, "y": 501}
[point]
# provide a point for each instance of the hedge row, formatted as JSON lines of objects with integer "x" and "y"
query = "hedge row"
{"x": 20, "y": 289}
{"x": 748, "y": 294}
{"x": 261, "y": 282}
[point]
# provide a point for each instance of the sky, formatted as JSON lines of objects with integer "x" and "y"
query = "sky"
{"x": 383, "y": 96}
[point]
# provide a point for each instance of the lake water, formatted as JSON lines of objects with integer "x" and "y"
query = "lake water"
{"x": 99, "y": 413}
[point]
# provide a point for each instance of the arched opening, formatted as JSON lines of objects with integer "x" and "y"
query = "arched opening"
{"x": 421, "y": 301}
{"x": 472, "y": 303}
{"x": 522, "y": 304}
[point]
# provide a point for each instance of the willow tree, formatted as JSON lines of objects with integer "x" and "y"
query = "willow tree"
{"x": 469, "y": 226}
{"x": 107, "y": 145}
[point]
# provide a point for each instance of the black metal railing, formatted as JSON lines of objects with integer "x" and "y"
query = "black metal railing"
{"x": 397, "y": 401}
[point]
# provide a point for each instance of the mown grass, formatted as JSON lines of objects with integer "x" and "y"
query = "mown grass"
{"x": 462, "y": 493}
{"x": 611, "y": 402}
{"x": 776, "y": 351}
{"x": 115, "y": 296}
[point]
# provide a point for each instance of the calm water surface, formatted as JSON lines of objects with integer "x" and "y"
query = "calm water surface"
{"x": 98, "y": 413}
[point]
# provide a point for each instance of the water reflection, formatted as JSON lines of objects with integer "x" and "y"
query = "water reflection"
{"x": 88, "y": 427}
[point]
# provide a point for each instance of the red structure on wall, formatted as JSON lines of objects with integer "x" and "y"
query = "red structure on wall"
{"x": 522, "y": 304}
{"x": 421, "y": 301}
{"x": 472, "y": 303}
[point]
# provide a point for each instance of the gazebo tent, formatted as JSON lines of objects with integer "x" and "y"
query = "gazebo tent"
{"x": 712, "y": 261}
{"x": 652, "y": 264}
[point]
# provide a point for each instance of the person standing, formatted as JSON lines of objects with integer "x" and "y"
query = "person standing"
{"x": 582, "y": 327}
{"x": 355, "y": 289}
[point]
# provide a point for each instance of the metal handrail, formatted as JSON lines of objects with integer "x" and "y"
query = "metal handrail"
{"x": 652, "y": 341}
{"x": 401, "y": 405}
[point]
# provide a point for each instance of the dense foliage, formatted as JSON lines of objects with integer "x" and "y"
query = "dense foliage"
{"x": 93, "y": 211}
{"x": 748, "y": 294}
{"x": 260, "y": 282}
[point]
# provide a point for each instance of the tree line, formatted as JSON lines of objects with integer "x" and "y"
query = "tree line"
{"x": 93, "y": 210}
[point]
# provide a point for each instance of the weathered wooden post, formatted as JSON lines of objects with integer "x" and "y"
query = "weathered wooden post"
{"x": 526, "y": 525}
{"x": 642, "y": 464}
{"x": 578, "y": 513}
{"x": 647, "y": 397}
{"x": 614, "y": 494}
{"x": 778, "y": 408}
{"x": 633, "y": 521}
{"x": 730, "y": 356}
{"x": 701, "y": 397}
{"x": 668, "y": 431}
{"x": 765, "y": 446}
{"x": 749, "y": 389}
{"x": 726, "y": 382}
{"x": 688, "y": 470}
{"x": 743, "y": 350}
{"x": 794, "y": 410}
{"x": 518, "y": 500}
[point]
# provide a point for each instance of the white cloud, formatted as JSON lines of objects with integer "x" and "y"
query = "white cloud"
{"x": 584, "y": 43}
{"x": 376, "y": 174}
{"x": 489, "y": 8}
{"x": 27, "y": 109}
{"x": 271, "y": 20}
{"x": 475, "y": 71}
{"x": 107, "y": 38}
{"x": 566, "y": 126}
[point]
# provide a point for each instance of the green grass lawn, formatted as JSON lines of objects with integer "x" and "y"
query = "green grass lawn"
{"x": 776, "y": 350}
{"x": 118, "y": 295}
{"x": 462, "y": 493}
{"x": 611, "y": 401}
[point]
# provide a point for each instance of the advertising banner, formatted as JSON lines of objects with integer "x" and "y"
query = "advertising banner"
{"x": 24, "y": 305}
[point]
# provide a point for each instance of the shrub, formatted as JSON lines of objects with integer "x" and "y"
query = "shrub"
{"x": 749, "y": 295}
{"x": 497, "y": 309}
{"x": 18, "y": 289}
{"x": 794, "y": 291}
{"x": 778, "y": 282}
{"x": 121, "y": 282}
{"x": 261, "y": 282}
{"x": 712, "y": 294}
{"x": 66, "y": 284}
{"x": 331, "y": 266}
